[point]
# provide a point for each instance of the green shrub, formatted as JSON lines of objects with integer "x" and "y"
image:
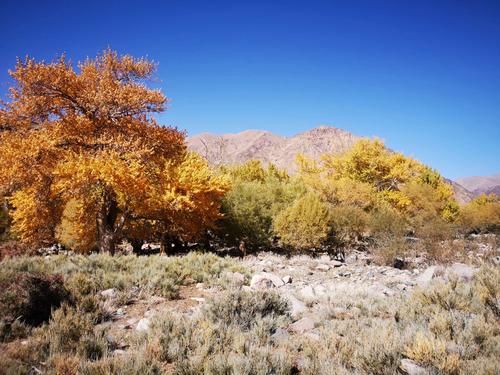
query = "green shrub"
{"x": 256, "y": 197}
{"x": 245, "y": 308}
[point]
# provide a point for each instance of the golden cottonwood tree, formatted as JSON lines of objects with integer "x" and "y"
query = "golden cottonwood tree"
{"x": 87, "y": 137}
{"x": 370, "y": 175}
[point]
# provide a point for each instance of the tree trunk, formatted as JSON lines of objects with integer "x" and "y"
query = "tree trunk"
{"x": 108, "y": 229}
{"x": 136, "y": 245}
{"x": 165, "y": 245}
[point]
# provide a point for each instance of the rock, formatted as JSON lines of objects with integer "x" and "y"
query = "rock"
{"x": 198, "y": 299}
{"x": 336, "y": 263}
{"x": 143, "y": 325}
{"x": 400, "y": 263}
{"x": 119, "y": 351}
{"x": 322, "y": 267}
{"x": 302, "y": 325}
{"x": 280, "y": 333}
{"x": 463, "y": 271}
{"x": 325, "y": 258}
{"x": 119, "y": 313}
{"x": 296, "y": 306}
{"x": 149, "y": 313}
{"x": 109, "y": 293}
{"x": 157, "y": 300}
{"x": 313, "y": 336}
{"x": 411, "y": 367}
{"x": 426, "y": 276}
{"x": 265, "y": 280}
{"x": 287, "y": 279}
{"x": 308, "y": 293}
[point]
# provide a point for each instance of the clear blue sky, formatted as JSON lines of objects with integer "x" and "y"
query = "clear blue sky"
{"x": 422, "y": 75}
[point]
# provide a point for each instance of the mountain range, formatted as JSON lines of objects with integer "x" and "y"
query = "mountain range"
{"x": 269, "y": 147}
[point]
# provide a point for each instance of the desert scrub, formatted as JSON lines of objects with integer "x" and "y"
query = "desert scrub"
{"x": 86, "y": 275}
{"x": 457, "y": 323}
{"x": 27, "y": 299}
{"x": 232, "y": 334}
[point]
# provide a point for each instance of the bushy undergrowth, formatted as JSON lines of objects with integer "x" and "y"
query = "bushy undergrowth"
{"x": 449, "y": 328}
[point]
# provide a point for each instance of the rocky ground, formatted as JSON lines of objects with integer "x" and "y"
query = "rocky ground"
{"x": 317, "y": 288}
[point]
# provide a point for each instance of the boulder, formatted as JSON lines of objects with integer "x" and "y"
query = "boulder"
{"x": 411, "y": 367}
{"x": 287, "y": 279}
{"x": 143, "y": 325}
{"x": 322, "y": 267}
{"x": 296, "y": 306}
{"x": 336, "y": 263}
{"x": 109, "y": 293}
{"x": 426, "y": 276}
{"x": 303, "y": 325}
{"x": 463, "y": 271}
{"x": 265, "y": 280}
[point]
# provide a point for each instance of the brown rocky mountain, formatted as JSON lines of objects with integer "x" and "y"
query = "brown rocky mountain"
{"x": 481, "y": 184}
{"x": 269, "y": 147}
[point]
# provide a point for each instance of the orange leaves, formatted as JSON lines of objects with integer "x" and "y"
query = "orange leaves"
{"x": 82, "y": 145}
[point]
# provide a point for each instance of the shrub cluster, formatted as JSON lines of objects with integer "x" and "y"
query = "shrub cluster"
{"x": 369, "y": 197}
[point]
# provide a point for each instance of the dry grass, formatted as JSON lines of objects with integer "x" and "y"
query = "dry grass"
{"x": 448, "y": 328}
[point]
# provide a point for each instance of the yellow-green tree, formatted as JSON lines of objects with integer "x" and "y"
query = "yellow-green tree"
{"x": 482, "y": 214}
{"x": 88, "y": 136}
{"x": 305, "y": 224}
{"x": 371, "y": 175}
{"x": 257, "y": 195}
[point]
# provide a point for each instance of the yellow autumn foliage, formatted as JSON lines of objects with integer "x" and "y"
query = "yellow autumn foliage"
{"x": 80, "y": 147}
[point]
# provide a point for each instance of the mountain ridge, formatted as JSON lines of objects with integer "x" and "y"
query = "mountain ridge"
{"x": 266, "y": 146}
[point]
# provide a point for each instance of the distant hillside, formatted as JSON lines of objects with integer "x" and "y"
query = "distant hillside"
{"x": 481, "y": 184}
{"x": 269, "y": 147}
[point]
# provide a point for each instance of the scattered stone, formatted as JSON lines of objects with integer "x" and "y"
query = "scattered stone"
{"x": 287, "y": 279}
{"x": 322, "y": 267}
{"x": 344, "y": 274}
{"x": 302, "y": 325}
{"x": 325, "y": 258}
{"x": 266, "y": 280}
{"x": 109, "y": 293}
{"x": 280, "y": 333}
{"x": 426, "y": 276}
{"x": 411, "y": 367}
{"x": 119, "y": 351}
{"x": 155, "y": 300}
{"x": 313, "y": 336}
{"x": 120, "y": 312}
{"x": 463, "y": 271}
{"x": 143, "y": 325}
{"x": 400, "y": 263}
{"x": 198, "y": 299}
{"x": 297, "y": 307}
{"x": 336, "y": 263}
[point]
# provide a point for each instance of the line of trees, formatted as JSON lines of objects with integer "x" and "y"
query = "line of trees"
{"x": 84, "y": 163}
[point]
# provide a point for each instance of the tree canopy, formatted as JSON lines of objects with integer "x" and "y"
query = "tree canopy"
{"x": 88, "y": 136}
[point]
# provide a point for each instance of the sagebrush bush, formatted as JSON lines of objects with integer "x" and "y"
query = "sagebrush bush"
{"x": 30, "y": 297}
{"x": 245, "y": 308}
